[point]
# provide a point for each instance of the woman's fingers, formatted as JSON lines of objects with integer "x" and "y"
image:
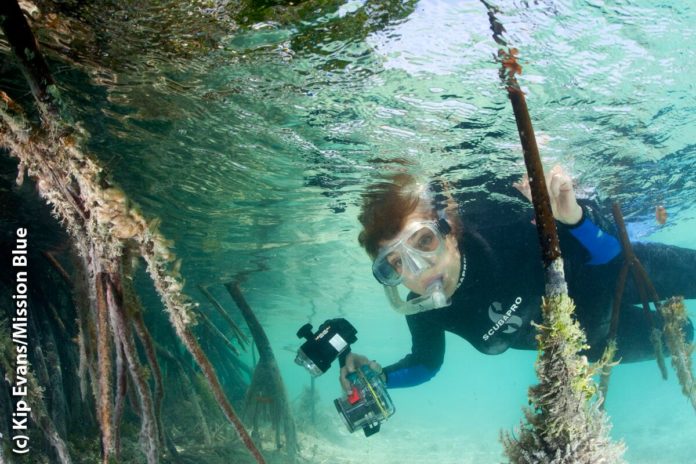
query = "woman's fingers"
{"x": 555, "y": 181}
{"x": 563, "y": 201}
{"x": 523, "y": 187}
{"x": 559, "y": 184}
{"x": 353, "y": 363}
{"x": 345, "y": 384}
{"x": 375, "y": 366}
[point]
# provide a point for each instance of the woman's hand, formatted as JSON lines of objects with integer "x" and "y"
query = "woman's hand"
{"x": 353, "y": 363}
{"x": 564, "y": 205}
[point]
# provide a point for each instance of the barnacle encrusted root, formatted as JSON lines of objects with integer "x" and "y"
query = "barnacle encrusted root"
{"x": 674, "y": 313}
{"x": 102, "y": 224}
{"x": 564, "y": 424}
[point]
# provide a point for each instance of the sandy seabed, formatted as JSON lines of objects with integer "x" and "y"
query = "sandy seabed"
{"x": 334, "y": 444}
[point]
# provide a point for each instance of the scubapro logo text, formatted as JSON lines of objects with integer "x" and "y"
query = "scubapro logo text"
{"x": 501, "y": 319}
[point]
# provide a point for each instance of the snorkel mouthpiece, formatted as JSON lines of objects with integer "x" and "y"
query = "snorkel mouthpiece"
{"x": 437, "y": 292}
{"x": 434, "y": 297}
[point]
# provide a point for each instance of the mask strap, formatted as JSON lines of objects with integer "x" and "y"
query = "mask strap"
{"x": 443, "y": 225}
{"x": 439, "y": 201}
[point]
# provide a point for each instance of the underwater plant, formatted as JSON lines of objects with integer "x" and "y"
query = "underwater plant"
{"x": 674, "y": 313}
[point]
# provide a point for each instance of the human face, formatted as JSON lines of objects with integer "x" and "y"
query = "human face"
{"x": 435, "y": 261}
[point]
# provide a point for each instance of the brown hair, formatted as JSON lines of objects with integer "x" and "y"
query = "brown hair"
{"x": 387, "y": 204}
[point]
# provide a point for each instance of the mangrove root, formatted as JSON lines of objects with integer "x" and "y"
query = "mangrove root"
{"x": 241, "y": 338}
{"x": 100, "y": 221}
{"x": 266, "y": 395}
{"x": 564, "y": 425}
{"x": 644, "y": 286}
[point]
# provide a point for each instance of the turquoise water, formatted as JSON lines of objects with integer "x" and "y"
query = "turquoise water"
{"x": 254, "y": 144}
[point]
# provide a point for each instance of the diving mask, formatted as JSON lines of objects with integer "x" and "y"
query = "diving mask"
{"x": 416, "y": 249}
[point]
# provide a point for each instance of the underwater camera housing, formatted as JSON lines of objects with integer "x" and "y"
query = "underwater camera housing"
{"x": 368, "y": 404}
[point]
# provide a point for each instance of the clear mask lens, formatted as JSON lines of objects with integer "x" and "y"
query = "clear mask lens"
{"x": 424, "y": 240}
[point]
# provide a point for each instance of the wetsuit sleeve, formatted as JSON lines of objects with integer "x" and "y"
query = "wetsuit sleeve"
{"x": 425, "y": 359}
{"x": 591, "y": 233}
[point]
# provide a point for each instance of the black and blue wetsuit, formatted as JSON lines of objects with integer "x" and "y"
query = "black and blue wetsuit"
{"x": 500, "y": 294}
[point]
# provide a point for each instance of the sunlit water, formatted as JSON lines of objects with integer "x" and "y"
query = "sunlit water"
{"x": 254, "y": 147}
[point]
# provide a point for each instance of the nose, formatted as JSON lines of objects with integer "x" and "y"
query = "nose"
{"x": 415, "y": 265}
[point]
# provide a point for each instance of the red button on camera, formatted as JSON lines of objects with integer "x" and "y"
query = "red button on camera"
{"x": 354, "y": 396}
